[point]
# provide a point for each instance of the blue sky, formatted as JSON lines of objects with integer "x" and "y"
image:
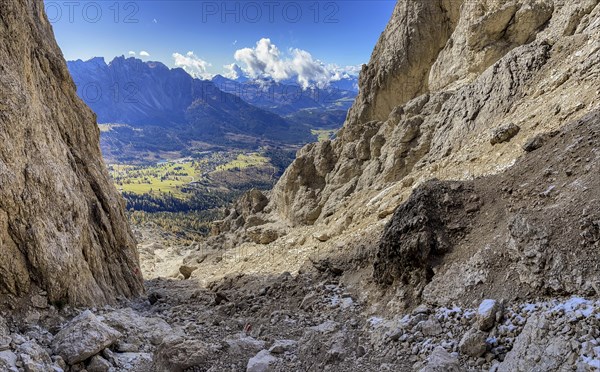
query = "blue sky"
{"x": 332, "y": 32}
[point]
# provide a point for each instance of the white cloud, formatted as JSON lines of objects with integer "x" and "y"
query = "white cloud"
{"x": 192, "y": 64}
{"x": 233, "y": 71}
{"x": 143, "y": 53}
{"x": 266, "y": 60}
{"x": 131, "y": 53}
{"x": 344, "y": 72}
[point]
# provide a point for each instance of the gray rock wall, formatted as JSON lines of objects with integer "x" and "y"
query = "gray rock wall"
{"x": 62, "y": 223}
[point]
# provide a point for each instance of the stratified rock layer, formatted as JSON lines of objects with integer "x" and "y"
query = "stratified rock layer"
{"x": 62, "y": 225}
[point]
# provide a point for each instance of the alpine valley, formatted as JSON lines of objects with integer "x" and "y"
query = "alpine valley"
{"x": 175, "y": 143}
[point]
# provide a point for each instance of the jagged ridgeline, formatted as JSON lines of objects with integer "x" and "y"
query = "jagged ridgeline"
{"x": 456, "y": 90}
{"x": 62, "y": 225}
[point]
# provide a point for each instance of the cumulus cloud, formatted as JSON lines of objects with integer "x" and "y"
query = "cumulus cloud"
{"x": 131, "y": 53}
{"x": 267, "y": 61}
{"x": 143, "y": 53}
{"x": 192, "y": 64}
{"x": 344, "y": 72}
{"x": 233, "y": 71}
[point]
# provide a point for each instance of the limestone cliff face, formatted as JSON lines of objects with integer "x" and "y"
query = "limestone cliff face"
{"x": 62, "y": 226}
{"x": 454, "y": 91}
{"x": 442, "y": 76}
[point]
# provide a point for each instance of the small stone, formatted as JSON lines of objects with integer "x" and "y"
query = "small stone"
{"x": 5, "y": 342}
{"x": 41, "y": 302}
{"x": 504, "y": 133}
{"x": 441, "y": 361}
{"x": 124, "y": 347}
{"x": 360, "y": 351}
{"x": 98, "y": 364}
{"x": 261, "y": 362}
{"x": 395, "y": 334}
{"x": 534, "y": 143}
{"x": 322, "y": 236}
{"x": 415, "y": 350}
{"x": 281, "y": 346}
{"x": 473, "y": 343}
{"x": 59, "y": 361}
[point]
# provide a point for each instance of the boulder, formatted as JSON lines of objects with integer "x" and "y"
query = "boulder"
{"x": 265, "y": 234}
{"x": 261, "y": 362}
{"x": 34, "y": 357}
{"x": 244, "y": 344}
{"x": 441, "y": 361}
{"x": 431, "y": 327}
{"x": 83, "y": 337}
{"x": 131, "y": 324}
{"x": 487, "y": 313}
{"x": 473, "y": 343}
{"x": 8, "y": 361}
{"x": 176, "y": 354}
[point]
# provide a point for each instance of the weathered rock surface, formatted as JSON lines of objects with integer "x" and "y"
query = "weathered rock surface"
{"x": 84, "y": 337}
{"x": 62, "y": 222}
{"x": 441, "y": 361}
{"x": 261, "y": 362}
{"x": 177, "y": 354}
{"x": 473, "y": 343}
{"x": 487, "y": 313}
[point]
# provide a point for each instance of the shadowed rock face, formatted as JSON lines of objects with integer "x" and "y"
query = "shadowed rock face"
{"x": 62, "y": 225}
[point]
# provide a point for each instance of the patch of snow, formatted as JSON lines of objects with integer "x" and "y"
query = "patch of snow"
{"x": 575, "y": 303}
{"x": 592, "y": 362}
{"x": 529, "y": 307}
{"x": 449, "y": 312}
{"x": 469, "y": 313}
{"x": 597, "y": 351}
{"x": 375, "y": 321}
{"x": 486, "y": 307}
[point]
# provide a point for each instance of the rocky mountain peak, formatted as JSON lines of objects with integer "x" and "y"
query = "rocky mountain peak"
{"x": 470, "y": 98}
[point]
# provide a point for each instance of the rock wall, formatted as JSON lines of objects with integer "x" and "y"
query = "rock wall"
{"x": 62, "y": 224}
{"x": 442, "y": 76}
{"x": 493, "y": 84}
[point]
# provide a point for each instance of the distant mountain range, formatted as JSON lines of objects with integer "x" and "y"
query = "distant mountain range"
{"x": 155, "y": 108}
{"x": 287, "y": 98}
